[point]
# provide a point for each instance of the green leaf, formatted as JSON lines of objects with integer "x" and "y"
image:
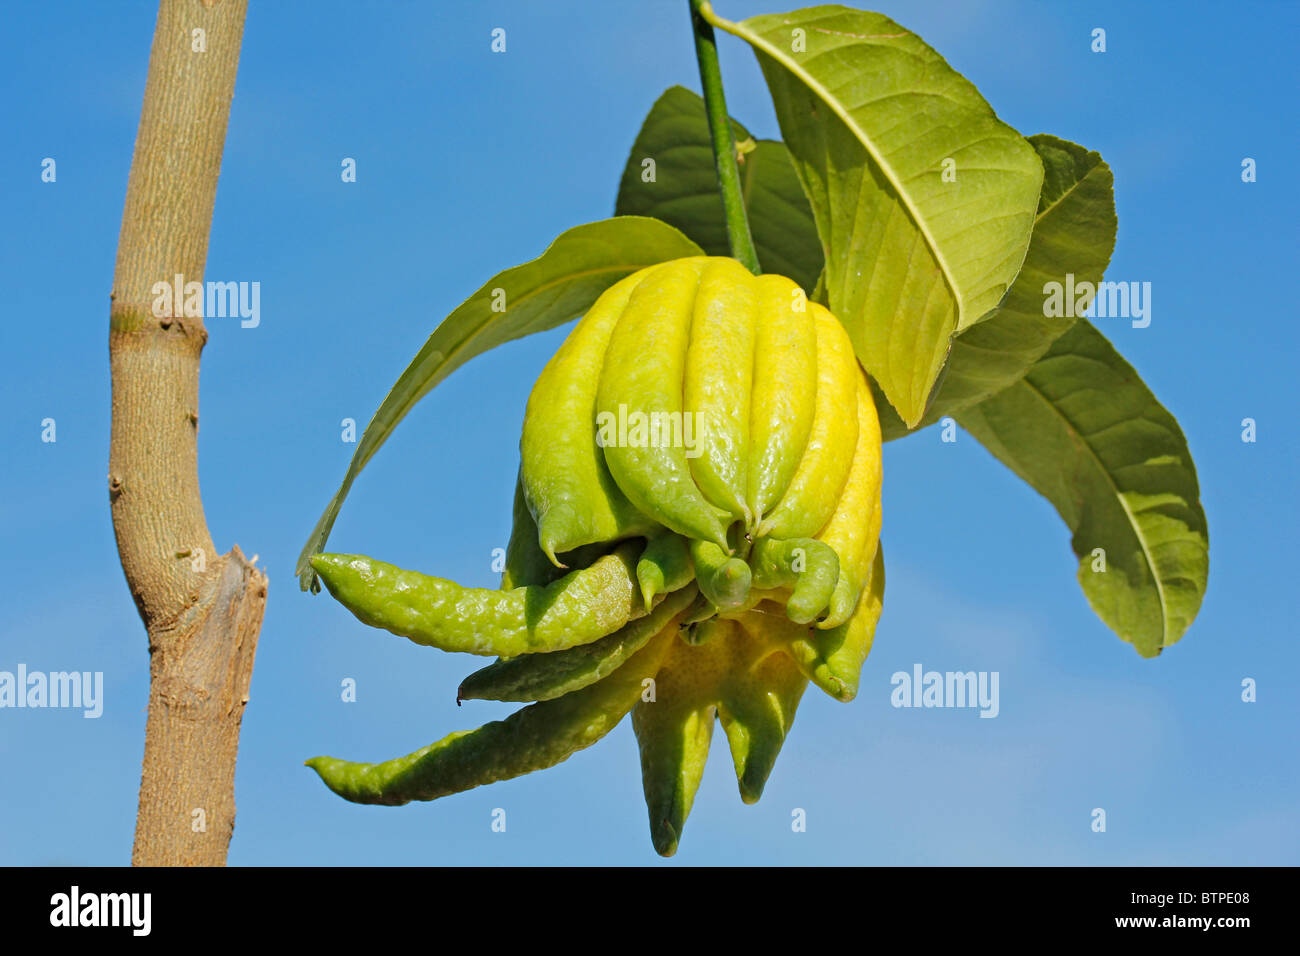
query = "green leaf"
{"x": 1086, "y": 433}
{"x": 1074, "y": 234}
{"x": 684, "y": 190}
{"x": 550, "y": 290}
{"x": 870, "y": 115}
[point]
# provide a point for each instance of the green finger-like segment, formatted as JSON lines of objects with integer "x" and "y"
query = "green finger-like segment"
{"x": 757, "y": 708}
{"x": 567, "y": 485}
{"x": 583, "y": 557}
{"x": 534, "y": 738}
{"x": 845, "y": 597}
{"x": 665, "y": 566}
{"x": 579, "y": 608}
{"x": 718, "y": 380}
{"x": 639, "y": 402}
{"x": 704, "y": 631}
{"x": 673, "y": 732}
{"x": 833, "y": 658}
{"x": 723, "y": 580}
{"x": 547, "y": 676}
{"x": 701, "y": 609}
{"x": 755, "y": 597}
{"x": 814, "y": 490}
{"x": 810, "y": 568}
{"x": 785, "y": 387}
{"x": 854, "y": 528}
{"x": 526, "y": 563}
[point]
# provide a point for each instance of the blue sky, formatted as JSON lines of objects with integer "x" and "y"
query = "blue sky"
{"x": 469, "y": 162}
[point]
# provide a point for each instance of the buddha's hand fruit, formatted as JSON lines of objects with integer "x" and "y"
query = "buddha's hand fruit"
{"x": 696, "y": 536}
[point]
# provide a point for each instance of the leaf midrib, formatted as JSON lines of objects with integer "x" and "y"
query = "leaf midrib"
{"x": 745, "y": 33}
{"x": 1039, "y": 219}
{"x": 1137, "y": 531}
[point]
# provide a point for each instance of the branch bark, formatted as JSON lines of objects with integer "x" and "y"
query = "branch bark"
{"x": 202, "y": 611}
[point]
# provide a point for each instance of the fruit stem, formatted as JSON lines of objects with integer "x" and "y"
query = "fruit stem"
{"x": 724, "y": 140}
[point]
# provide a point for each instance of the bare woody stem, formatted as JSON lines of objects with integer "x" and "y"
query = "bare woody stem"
{"x": 202, "y": 611}
{"x": 724, "y": 140}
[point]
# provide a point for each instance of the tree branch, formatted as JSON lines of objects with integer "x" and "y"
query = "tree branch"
{"x": 202, "y": 611}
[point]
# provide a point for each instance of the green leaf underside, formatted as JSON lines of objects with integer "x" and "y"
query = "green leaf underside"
{"x": 684, "y": 192}
{"x": 869, "y": 114}
{"x": 548, "y": 291}
{"x": 1087, "y": 434}
{"x": 1074, "y": 233}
